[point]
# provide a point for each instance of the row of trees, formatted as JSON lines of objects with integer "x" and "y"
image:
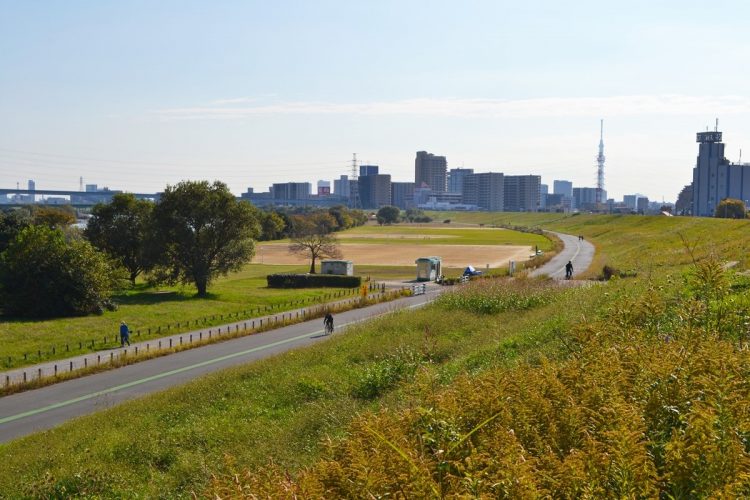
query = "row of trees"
{"x": 197, "y": 232}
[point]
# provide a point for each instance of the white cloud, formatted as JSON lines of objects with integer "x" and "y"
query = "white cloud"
{"x": 633, "y": 105}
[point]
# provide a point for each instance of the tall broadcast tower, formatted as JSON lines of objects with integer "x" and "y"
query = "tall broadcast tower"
{"x": 600, "y": 167}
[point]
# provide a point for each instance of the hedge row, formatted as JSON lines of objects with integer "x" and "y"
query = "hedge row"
{"x": 312, "y": 281}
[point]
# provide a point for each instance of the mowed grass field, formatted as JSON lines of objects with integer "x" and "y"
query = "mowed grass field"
{"x": 402, "y": 244}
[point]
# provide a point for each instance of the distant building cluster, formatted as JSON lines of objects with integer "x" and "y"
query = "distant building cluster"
{"x": 435, "y": 187}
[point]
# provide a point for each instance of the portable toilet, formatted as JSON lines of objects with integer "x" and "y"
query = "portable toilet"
{"x": 428, "y": 268}
{"x": 341, "y": 267}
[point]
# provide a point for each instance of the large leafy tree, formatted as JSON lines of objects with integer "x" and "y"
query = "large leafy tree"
{"x": 388, "y": 215}
{"x": 12, "y": 222}
{"x": 121, "y": 228}
{"x": 272, "y": 226}
{"x": 203, "y": 233}
{"x": 44, "y": 273}
{"x": 730, "y": 208}
{"x": 53, "y": 217}
{"x": 311, "y": 236}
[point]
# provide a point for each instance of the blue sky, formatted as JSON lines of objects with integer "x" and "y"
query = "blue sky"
{"x": 136, "y": 95}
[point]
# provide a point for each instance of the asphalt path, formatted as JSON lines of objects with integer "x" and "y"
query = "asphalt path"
{"x": 579, "y": 252}
{"x": 35, "y": 410}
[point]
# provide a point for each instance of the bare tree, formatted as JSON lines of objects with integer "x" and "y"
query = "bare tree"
{"x": 309, "y": 237}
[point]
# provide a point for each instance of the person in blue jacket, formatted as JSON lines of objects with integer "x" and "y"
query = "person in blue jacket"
{"x": 124, "y": 334}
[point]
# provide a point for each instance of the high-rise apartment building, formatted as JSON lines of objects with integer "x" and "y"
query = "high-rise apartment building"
{"x": 522, "y": 193}
{"x": 402, "y": 194}
{"x": 456, "y": 178}
{"x": 715, "y": 178}
{"x": 431, "y": 170}
{"x": 485, "y": 190}
{"x": 375, "y": 190}
{"x": 291, "y": 190}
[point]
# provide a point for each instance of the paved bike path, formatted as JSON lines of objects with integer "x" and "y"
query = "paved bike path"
{"x": 32, "y": 411}
{"x": 579, "y": 252}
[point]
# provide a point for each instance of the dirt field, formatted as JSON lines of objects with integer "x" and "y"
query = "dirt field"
{"x": 404, "y": 254}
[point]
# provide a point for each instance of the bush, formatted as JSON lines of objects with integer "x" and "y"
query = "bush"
{"x": 492, "y": 296}
{"x": 43, "y": 274}
{"x": 312, "y": 281}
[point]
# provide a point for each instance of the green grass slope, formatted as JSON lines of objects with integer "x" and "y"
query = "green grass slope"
{"x": 634, "y": 388}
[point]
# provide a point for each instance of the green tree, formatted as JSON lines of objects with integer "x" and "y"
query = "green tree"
{"x": 203, "y": 233}
{"x": 343, "y": 218}
{"x": 311, "y": 237}
{"x": 121, "y": 228}
{"x": 272, "y": 226}
{"x": 11, "y": 223}
{"x": 45, "y": 274}
{"x": 388, "y": 215}
{"x": 53, "y": 217}
{"x": 730, "y": 208}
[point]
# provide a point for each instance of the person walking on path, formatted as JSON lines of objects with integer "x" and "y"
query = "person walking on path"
{"x": 568, "y": 270}
{"x": 124, "y": 334}
{"x": 328, "y": 322}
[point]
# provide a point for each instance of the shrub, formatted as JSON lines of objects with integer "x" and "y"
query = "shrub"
{"x": 493, "y": 295}
{"x": 312, "y": 281}
{"x": 43, "y": 274}
{"x": 386, "y": 373}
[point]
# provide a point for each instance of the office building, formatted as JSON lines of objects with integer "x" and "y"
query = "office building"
{"x": 715, "y": 178}
{"x": 554, "y": 203}
{"x": 324, "y": 188}
{"x": 402, "y": 194}
{"x": 522, "y": 193}
{"x": 564, "y": 188}
{"x": 431, "y": 170}
{"x": 456, "y": 178}
{"x": 585, "y": 198}
{"x": 368, "y": 170}
{"x": 630, "y": 201}
{"x": 642, "y": 205}
{"x": 375, "y": 190}
{"x": 485, "y": 190}
{"x": 341, "y": 187}
{"x": 543, "y": 192}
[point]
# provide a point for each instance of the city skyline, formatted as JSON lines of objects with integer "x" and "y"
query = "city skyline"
{"x": 143, "y": 95}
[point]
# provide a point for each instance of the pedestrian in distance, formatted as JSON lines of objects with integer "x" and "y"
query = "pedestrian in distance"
{"x": 124, "y": 334}
{"x": 568, "y": 270}
{"x": 328, "y": 323}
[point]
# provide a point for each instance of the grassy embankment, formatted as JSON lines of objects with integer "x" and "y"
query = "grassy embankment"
{"x": 630, "y": 390}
